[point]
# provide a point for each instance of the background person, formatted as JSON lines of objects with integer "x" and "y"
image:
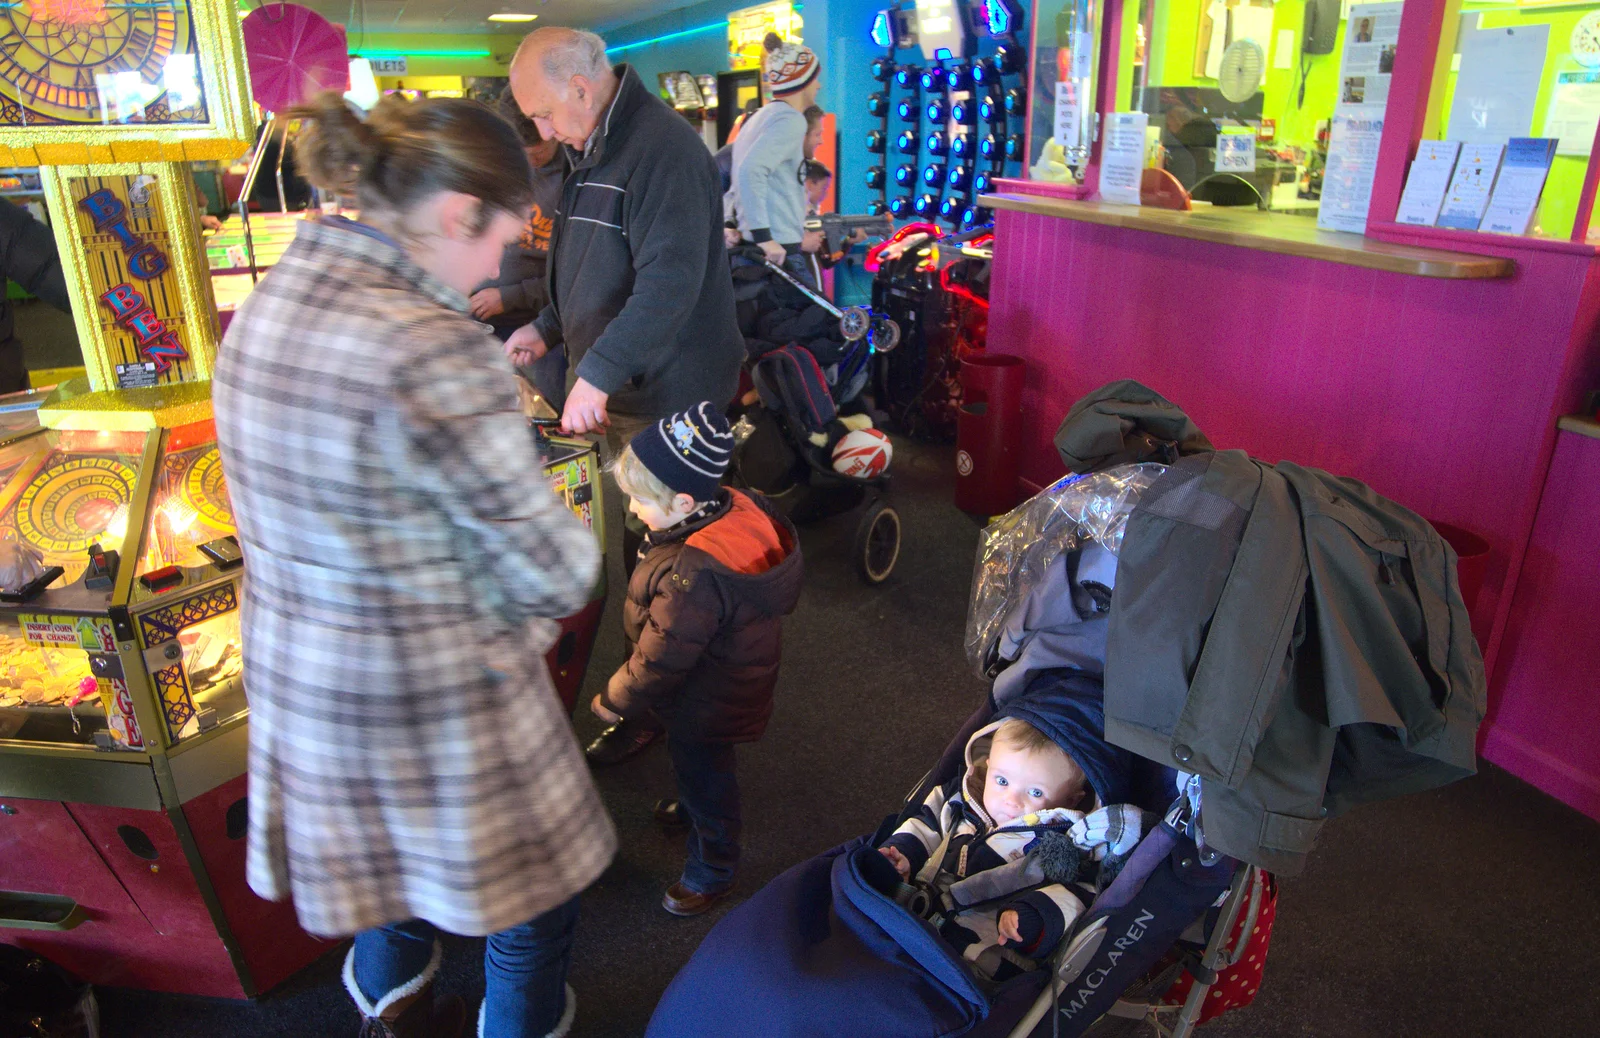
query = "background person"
{"x": 516, "y": 295}
{"x": 639, "y": 287}
{"x": 28, "y": 257}
{"x": 767, "y": 193}
{"x": 411, "y": 767}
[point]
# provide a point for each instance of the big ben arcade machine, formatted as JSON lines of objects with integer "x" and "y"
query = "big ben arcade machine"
{"x": 122, "y": 713}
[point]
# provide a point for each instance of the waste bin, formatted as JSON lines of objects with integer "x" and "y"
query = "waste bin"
{"x": 1472, "y": 560}
{"x": 986, "y": 433}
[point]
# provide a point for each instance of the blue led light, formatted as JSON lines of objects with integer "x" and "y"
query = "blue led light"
{"x": 988, "y": 147}
{"x": 908, "y": 142}
{"x": 900, "y": 206}
{"x": 1015, "y": 101}
{"x": 876, "y": 207}
{"x": 960, "y": 177}
{"x": 875, "y": 177}
{"x": 905, "y": 175}
{"x": 933, "y": 79}
{"x": 933, "y": 175}
{"x": 969, "y": 216}
{"x": 882, "y": 31}
{"x": 998, "y": 17}
{"x": 877, "y": 103}
{"x": 882, "y": 68}
{"x": 987, "y": 108}
{"x": 950, "y": 208}
{"x": 936, "y": 143}
{"x": 1014, "y": 145}
{"x": 943, "y": 54}
{"x": 982, "y": 183}
{"x": 937, "y": 111}
{"x": 926, "y": 205}
{"x": 962, "y": 111}
{"x": 908, "y": 110}
{"x": 875, "y": 142}
{"x": 908, "y": 76}
{"x": 959, "y": 77}
{"x": 1008, "y": 59}
{"x": 961, "y": 147}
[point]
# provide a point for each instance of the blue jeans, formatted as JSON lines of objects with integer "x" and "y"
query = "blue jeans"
{"x": 708, "y": 791}
{"x": 524, "y": 967}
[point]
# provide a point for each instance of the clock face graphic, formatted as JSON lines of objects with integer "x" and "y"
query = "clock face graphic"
{"x": 98, "y": 62}
{"x": 1584, "y": 42}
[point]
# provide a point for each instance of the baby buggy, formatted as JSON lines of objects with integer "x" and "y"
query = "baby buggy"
{"x": 807, "y": 364}
{"x": 1177, "y": 935}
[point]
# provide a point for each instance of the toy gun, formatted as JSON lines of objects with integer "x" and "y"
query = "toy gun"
{"x": 837, "y": 227}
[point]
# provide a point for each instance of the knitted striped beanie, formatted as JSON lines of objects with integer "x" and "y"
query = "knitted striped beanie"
{"x": 688, "y": 451}
{"x": 787, "y": 67}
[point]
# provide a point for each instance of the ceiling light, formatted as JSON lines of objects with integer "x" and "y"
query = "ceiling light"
{"x": 512, "y": 16}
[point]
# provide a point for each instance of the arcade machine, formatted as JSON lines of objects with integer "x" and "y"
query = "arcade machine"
{"x": 949, "y": 127}
{"x": 123, "y": 719}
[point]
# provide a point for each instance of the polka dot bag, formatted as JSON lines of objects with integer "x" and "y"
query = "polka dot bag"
{"x": 1237, "y": 985}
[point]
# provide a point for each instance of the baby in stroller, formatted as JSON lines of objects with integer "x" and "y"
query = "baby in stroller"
{"x": 1006, "y": 856}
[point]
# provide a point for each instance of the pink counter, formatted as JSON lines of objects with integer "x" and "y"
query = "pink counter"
{"x": 1442, "y": 394}
{"x": 1547, "y": 717}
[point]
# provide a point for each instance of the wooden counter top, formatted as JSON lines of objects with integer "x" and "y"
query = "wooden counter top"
{"x": 1581, "y": 424}
{"x": 1268, "y": 232}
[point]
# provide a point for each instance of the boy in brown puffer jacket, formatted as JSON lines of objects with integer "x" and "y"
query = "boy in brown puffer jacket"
{"x": 718, "y": 571}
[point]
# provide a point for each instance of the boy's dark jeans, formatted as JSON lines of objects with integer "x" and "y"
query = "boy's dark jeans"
{"x": 708, "y": 791}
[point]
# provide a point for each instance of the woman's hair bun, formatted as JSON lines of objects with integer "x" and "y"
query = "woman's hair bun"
{"x": 772, "y": 42}
{"x": 334, "y": 143}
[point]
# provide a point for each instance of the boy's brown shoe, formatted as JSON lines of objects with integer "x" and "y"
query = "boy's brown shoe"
{"x": 680, "y": 900}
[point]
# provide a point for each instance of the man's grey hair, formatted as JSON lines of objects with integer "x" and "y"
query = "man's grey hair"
{"x": 572, "y": 52}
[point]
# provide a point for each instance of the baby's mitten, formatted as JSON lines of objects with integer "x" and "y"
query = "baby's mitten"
{"x": 1111, "y": 831}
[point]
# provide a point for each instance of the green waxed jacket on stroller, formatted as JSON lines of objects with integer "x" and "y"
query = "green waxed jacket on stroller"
{"x": 1293, "y": 637}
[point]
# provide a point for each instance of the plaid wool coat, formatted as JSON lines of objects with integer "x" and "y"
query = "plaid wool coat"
{"x": 409, "y": 757}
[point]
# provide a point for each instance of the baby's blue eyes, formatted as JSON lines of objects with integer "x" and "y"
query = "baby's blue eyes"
{"x": 1035, "y": 793}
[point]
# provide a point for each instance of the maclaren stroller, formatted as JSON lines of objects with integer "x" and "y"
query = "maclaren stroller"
{"x": 1176, "y": 933}
{"x": 807, "y": 364}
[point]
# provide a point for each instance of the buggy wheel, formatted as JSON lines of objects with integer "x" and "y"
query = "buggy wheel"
{"x": 878, "y": 543}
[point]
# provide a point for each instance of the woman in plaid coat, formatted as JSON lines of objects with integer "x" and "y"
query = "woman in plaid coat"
{"x": 411, "y": 766}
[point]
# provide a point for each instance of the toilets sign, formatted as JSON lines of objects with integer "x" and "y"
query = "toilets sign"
{"x": 129, "y": 267}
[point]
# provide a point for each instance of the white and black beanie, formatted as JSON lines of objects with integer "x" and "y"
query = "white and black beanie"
{"x": 688, "y": 451}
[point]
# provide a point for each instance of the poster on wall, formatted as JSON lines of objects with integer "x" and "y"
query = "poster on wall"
{"x": 140, "y": 311}
{"x": 1372, "y": 34}
{"x": 748, "y": 26}
{"x": 1498, "y": 83}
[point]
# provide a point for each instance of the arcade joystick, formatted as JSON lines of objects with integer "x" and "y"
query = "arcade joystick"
{"x": 102, "y": 571}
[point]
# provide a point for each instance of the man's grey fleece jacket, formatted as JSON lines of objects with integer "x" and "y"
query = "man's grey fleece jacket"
{"x": 640, "y": 292}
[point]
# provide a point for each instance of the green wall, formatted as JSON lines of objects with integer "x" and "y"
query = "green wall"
{"x": 1176, "y": 31}
{"x": 1559, "y": 205}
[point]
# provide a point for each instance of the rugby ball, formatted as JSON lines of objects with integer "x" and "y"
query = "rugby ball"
{"x": 863, "y": 454}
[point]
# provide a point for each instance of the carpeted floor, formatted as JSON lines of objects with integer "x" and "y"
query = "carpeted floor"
{"x": 1474, "y": 910}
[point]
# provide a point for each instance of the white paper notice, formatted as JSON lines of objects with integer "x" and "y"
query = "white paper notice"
{"x": 1574, "y": 112}
{"x": 1468, "y": 196}
{"x": 1427, "y": 182}
{"x": 1372, "y": 33}
{"x": 1122, "y": 157}
{"x": 1082, "y": 55}
{"x": 1236, "y": 152}
{"x": 1497, "y": 84}
{"x": 1352, "y": 163}
{"x": 1068, "y": 114}
{"x": 1283, "y": 53}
